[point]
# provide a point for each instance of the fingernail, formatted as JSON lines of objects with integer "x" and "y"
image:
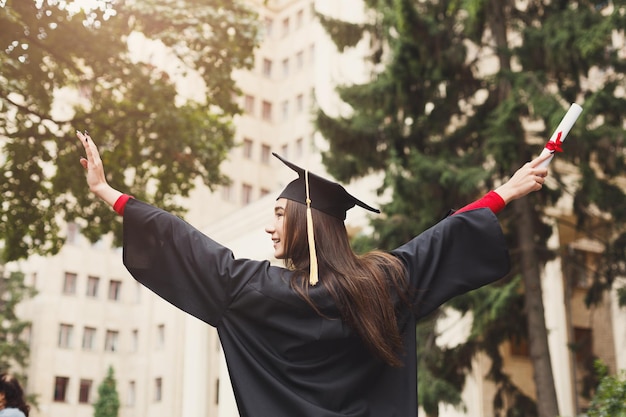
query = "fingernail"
{"x": 86, "y": 133}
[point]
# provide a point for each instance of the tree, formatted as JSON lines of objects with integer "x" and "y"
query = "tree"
{"x": 462, "y": 94}
{"x": 155, "y": 143}
{"x": 610, "y": 397}
{"x": 108, "y": 403}
{"x": 14, "y": 350}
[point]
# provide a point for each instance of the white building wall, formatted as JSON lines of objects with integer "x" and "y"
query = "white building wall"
{"x": 136, "y": 310}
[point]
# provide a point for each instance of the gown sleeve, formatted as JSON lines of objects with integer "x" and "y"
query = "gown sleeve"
{"x": 182, "y": 265}
{"x": 491, "y": 200}
{"x": 460, "y": 253}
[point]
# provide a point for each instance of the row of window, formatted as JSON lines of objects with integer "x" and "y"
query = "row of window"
{"x": 246, "y": 195}
{"x": 288, "y": 23}
{"x": 287, "y": 107}
{"x": 111, "y": 338}
{"x": 296, "y": 150}
{"x": 247, "y": 192}
{"x": 86, "y": 387}
{"x": 92, "y": 289}
{"x": 298, "y": 60}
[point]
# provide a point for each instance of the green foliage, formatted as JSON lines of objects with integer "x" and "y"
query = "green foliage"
{"x": 14, "y": 349}
{"x": 445, "y": 125}
{"x": 621, "y": 296}
{"x": 108, "y": 403}
{"x": 155, "y": 143}
{"x": 433, "y": 363}
{"x": 610, "y": 397}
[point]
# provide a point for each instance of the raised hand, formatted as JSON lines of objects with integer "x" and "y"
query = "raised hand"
{"x": 527, "y": 179}
{"x": 96, "y": 180}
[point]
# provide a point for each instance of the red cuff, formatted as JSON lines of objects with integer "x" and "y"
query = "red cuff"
{"x": 121, "y": 203}
{"x": 491, "y": 200}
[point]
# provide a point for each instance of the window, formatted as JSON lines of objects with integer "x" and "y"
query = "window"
{"x": 227, "y": 192}
{"x": 519, "y": 346}
{"x": 285, "y": 109}
{"x": 89, "y": 338}
{"x": 269, "y": 26}
{"x": 160, "y": 336}
{"x": 217, "y": 391}
{"x": 299, "y": 19}
{"x": 115, "y": 287}
{"x": 284, "y": 151}
{"x": 267, "y": 68}
{"x": 73, "y": 231}
{"x": 285, "y": 26}
{"x": 130, "y": 398}
{"x": 247, "y": 148}
{"x": 300, "y": 103}
{"x": 69, "y": 283}
{"x": 299, "y": 147}
{"x": 246, "y": 194}
{"x": 65, "y": 335}
{"x": 158, "y": 389}
{"x": 84, "y": 390}
{"x": 92, "y": 286}
{"x": 264, "y": 192}
{"x": 300, "y": 60}
{"x": 60, "y": 388}
{"x": 285, "y": 67}
{"x": 266, "y": 111}
{"x": 583, "y": 345}
{"x": 111, "y": 341}
{"x": 265, "y": 154}
{"x": 248, "y": 104}
{"x": 138, "y": 291}
{"x": 580, "y": 266}
{"x": 134, "y": 336}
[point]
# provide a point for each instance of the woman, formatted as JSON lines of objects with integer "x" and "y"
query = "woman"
{"x": 12, "y": 403}
{"x": 297, "y": 348}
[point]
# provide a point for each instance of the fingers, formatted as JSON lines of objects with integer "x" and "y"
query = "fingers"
{"x": 541, "y": 158}
{"x": 535, "y": 168}
{"x": 91, "y": 150}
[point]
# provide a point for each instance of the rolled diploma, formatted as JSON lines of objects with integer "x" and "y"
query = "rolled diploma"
{"x": 564, "y": 127}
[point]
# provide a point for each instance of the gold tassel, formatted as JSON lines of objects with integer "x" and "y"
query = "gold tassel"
{"x": 313, "y": 274}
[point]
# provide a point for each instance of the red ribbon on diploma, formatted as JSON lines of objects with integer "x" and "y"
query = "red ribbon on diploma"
{"x": 556, "y": 145}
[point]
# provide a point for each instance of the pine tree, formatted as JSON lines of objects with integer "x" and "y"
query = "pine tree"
{"x": 108, "y": 403}
{"x": 462, "y": 94}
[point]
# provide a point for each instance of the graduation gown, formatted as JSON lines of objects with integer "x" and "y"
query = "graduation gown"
{"x": 284, "y": 359}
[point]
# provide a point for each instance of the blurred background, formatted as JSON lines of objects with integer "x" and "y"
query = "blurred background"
{"x": 418, "y": 107}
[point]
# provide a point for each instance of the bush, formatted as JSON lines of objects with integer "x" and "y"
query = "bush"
{"x": 610, "y": 397}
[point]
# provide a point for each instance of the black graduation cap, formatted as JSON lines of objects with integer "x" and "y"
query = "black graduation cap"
{"x": 326, "y": 196}
{"x": 323, "y": 195}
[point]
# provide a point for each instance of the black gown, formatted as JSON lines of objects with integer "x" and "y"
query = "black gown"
{"x": 284, "y": 359}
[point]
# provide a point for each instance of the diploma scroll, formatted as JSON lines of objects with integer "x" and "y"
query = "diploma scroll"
{"x": 557, "y": 138}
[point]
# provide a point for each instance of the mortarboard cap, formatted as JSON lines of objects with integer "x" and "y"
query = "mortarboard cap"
{"x": 326, "y": 196}
{"x": 323, "y": 195}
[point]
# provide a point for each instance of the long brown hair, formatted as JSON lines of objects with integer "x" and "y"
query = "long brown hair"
{"x": 13, "y": 393}
{"x": 365, "y": 288}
